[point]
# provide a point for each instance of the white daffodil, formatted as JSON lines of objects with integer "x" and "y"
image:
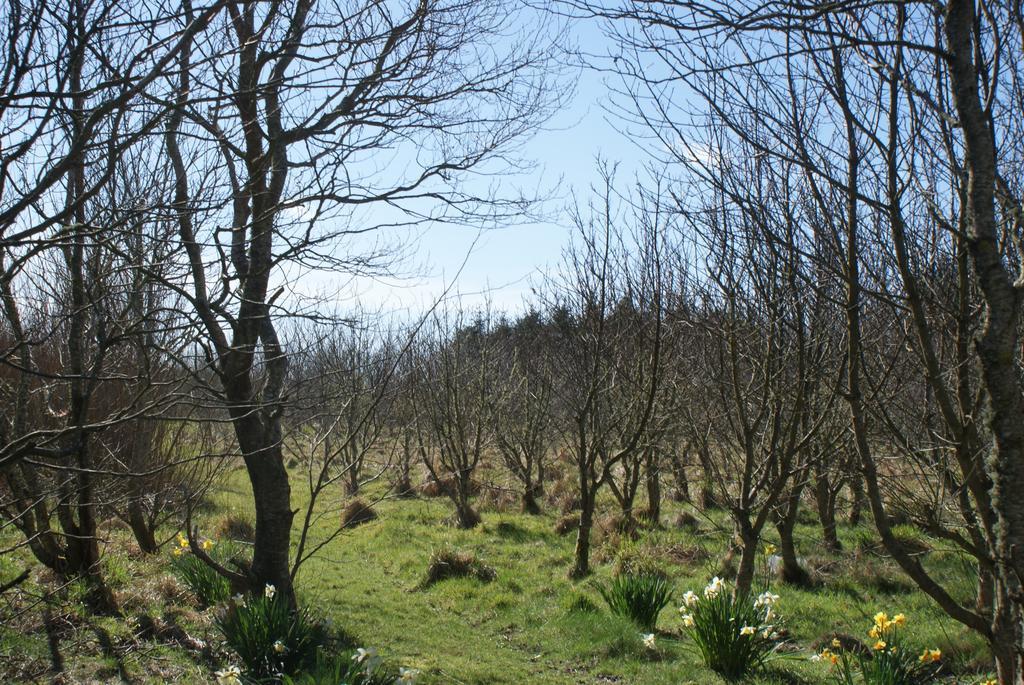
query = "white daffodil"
{"x": 229, "y": 676}
{"x": 649, "y": 640}
{"x": 748, "y": 630}
{"x": 279, "y": 647}
{"x": 238, "y": 599}
{"x": 362, "y": 654}
{"x": 766, "y": 633}
{"x": 766, "y": 599}
{"x": 406, "y": 676}
{"x": 714, "y": 587}
{"x": 269, "y": 591}
{"x": 688, "y": 621}
{"x": 690, "y": 598}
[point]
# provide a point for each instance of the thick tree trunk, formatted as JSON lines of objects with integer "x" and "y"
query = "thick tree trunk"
{"x": 271, "y": 492}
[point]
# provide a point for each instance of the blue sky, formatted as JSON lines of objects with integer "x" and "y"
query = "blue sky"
{"x": 503, "y": 262}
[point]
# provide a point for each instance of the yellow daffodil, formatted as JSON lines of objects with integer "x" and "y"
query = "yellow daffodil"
{"x": 899, "y": 620}
{"x": 930, "y": 655}
{"x": 879, "y": 646}
{"x": 747, "y": 630}
{"x": 207, "y": 544}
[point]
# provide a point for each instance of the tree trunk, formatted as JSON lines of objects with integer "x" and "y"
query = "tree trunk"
{"x": 271, "y": 492}
{"x": 529, "y": 501}
{"x": 465, "y": 516}
{"x": 581, "y": 554}
{"x": 681, "y": 492}
{"x": 856, "y": 498}
{"x": 352, "y": 482}
{"x": 653, "y": 475}
{"x": 826, "y": 504}
{"x": 791, "y": 571}
{"x": 748, "y": 559}
{"x": 139, "y": 523}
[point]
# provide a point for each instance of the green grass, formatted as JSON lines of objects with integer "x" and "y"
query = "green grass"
{"x": 520, "y": 628}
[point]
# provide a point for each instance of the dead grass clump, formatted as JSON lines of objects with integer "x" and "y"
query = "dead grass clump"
{"x": 356, "y": 512}
{"x": 684, "y": 520}
{"x": 450, "y": 563}
{"x": 234, "y": 526}
{"x": 445, "y": 487}
{"x": 613, "y": 529}
{"x": 170, "y": 589}
{"x": 567, "y": 524}
{"x": 681, "y": 554}
{"x": 499, "y": 500}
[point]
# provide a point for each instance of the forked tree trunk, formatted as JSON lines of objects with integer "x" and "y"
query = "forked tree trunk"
{"x": 825, "y": 500}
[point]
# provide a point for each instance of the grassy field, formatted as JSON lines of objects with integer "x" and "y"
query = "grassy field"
{"x": 519, "y": 628}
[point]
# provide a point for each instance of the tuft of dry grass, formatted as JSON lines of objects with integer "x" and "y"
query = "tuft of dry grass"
{"x": 567, "y": 524}
{"x": 234, "y": 526}
{"x": 451, "y": 563}
{"x": 356, "y": 512}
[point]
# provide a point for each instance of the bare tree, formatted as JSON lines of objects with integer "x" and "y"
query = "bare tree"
{"x": 905, "y": 119}
{"x": 607, "y": 317}
{"x": 282, "y": 114}
{"x": 521, "y": 409}
{"x": 455, "y": 384}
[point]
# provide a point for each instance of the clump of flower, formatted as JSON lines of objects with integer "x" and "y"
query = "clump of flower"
{"x": 270, "y": 637}
{"x": 182, "y": 545}
{"x": 208, "y": 586}
{"x": 890, "y": 661}
{"x": 648, "y": 639}
{"x": 368, "y": 659}
{"x": 407, "y": 676}
{"x": 735, "y": 633}
{"x": 231, "y": 675}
